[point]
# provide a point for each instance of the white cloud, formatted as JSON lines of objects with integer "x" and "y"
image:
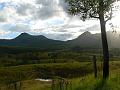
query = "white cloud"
{"x": 1, "y": 1}
{"x": 47, "y": 17}
{"x": 19, "y": 28}
{"x": 25, "y": 9}
{"x": 3, "y": 16}
{"x": 3, "y": 32}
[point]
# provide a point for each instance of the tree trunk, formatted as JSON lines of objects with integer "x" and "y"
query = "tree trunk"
{"x": 105, "y": 47}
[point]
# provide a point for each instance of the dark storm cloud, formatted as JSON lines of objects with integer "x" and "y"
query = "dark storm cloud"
{"x": 49, "y": 8}
{"x": 42, "y": 9}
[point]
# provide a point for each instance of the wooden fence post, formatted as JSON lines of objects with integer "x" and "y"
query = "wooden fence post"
{"x": 95, "y": 66}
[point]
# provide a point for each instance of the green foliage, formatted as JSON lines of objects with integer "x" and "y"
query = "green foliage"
{"x": 89, "y": 8}
{"x": 40, "y": 57}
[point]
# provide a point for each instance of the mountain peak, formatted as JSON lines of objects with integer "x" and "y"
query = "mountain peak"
{"x": 86, "y": 33}
{"x": 24, "y": 34}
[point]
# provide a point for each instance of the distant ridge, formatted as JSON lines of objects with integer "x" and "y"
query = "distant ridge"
{"x": 27, "y": 40}
{"x": 85, "y": 40}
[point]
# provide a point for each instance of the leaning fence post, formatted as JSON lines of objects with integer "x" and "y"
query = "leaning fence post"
{"x": 95, "y": 66}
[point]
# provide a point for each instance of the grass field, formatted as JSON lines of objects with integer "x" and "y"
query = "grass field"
{"x": 84, "y": 81}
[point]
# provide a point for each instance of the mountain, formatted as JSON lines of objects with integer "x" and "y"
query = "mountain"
{"x": 88, "y": 40}
{"x": 27, "y": 40}
{"x": 27, "y": 37}
{"x": 85, "y": 40}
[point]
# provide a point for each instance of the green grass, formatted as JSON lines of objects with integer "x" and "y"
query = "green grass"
{"x": 36, "y": 85}
{"x": 86, "y": 82}
{"x": 90, "y": 83}
{"x": 71, "y": 69}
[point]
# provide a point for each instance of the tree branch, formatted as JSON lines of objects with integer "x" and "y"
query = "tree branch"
{"x": 109, "y": 18}
{"x": 92, "y": 16}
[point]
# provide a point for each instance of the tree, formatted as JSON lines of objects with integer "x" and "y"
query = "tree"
{"x": 99, "y": 9}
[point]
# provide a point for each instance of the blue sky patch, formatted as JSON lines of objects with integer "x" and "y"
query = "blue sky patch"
{"x": 2, "y": 5}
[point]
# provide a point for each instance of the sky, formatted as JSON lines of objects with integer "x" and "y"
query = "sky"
{"x": 45, "y": 17}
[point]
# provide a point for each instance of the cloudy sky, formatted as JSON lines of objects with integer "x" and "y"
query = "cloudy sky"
{"x": 44, "y": 17}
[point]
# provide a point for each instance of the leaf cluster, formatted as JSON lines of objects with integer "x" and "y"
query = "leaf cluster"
{"x": 90, "y": 8}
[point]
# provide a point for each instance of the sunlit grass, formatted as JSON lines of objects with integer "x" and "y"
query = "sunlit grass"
{"x": 86, "y": 82}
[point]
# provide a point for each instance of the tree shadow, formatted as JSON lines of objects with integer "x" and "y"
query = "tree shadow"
{"x": 100, "y": 85}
